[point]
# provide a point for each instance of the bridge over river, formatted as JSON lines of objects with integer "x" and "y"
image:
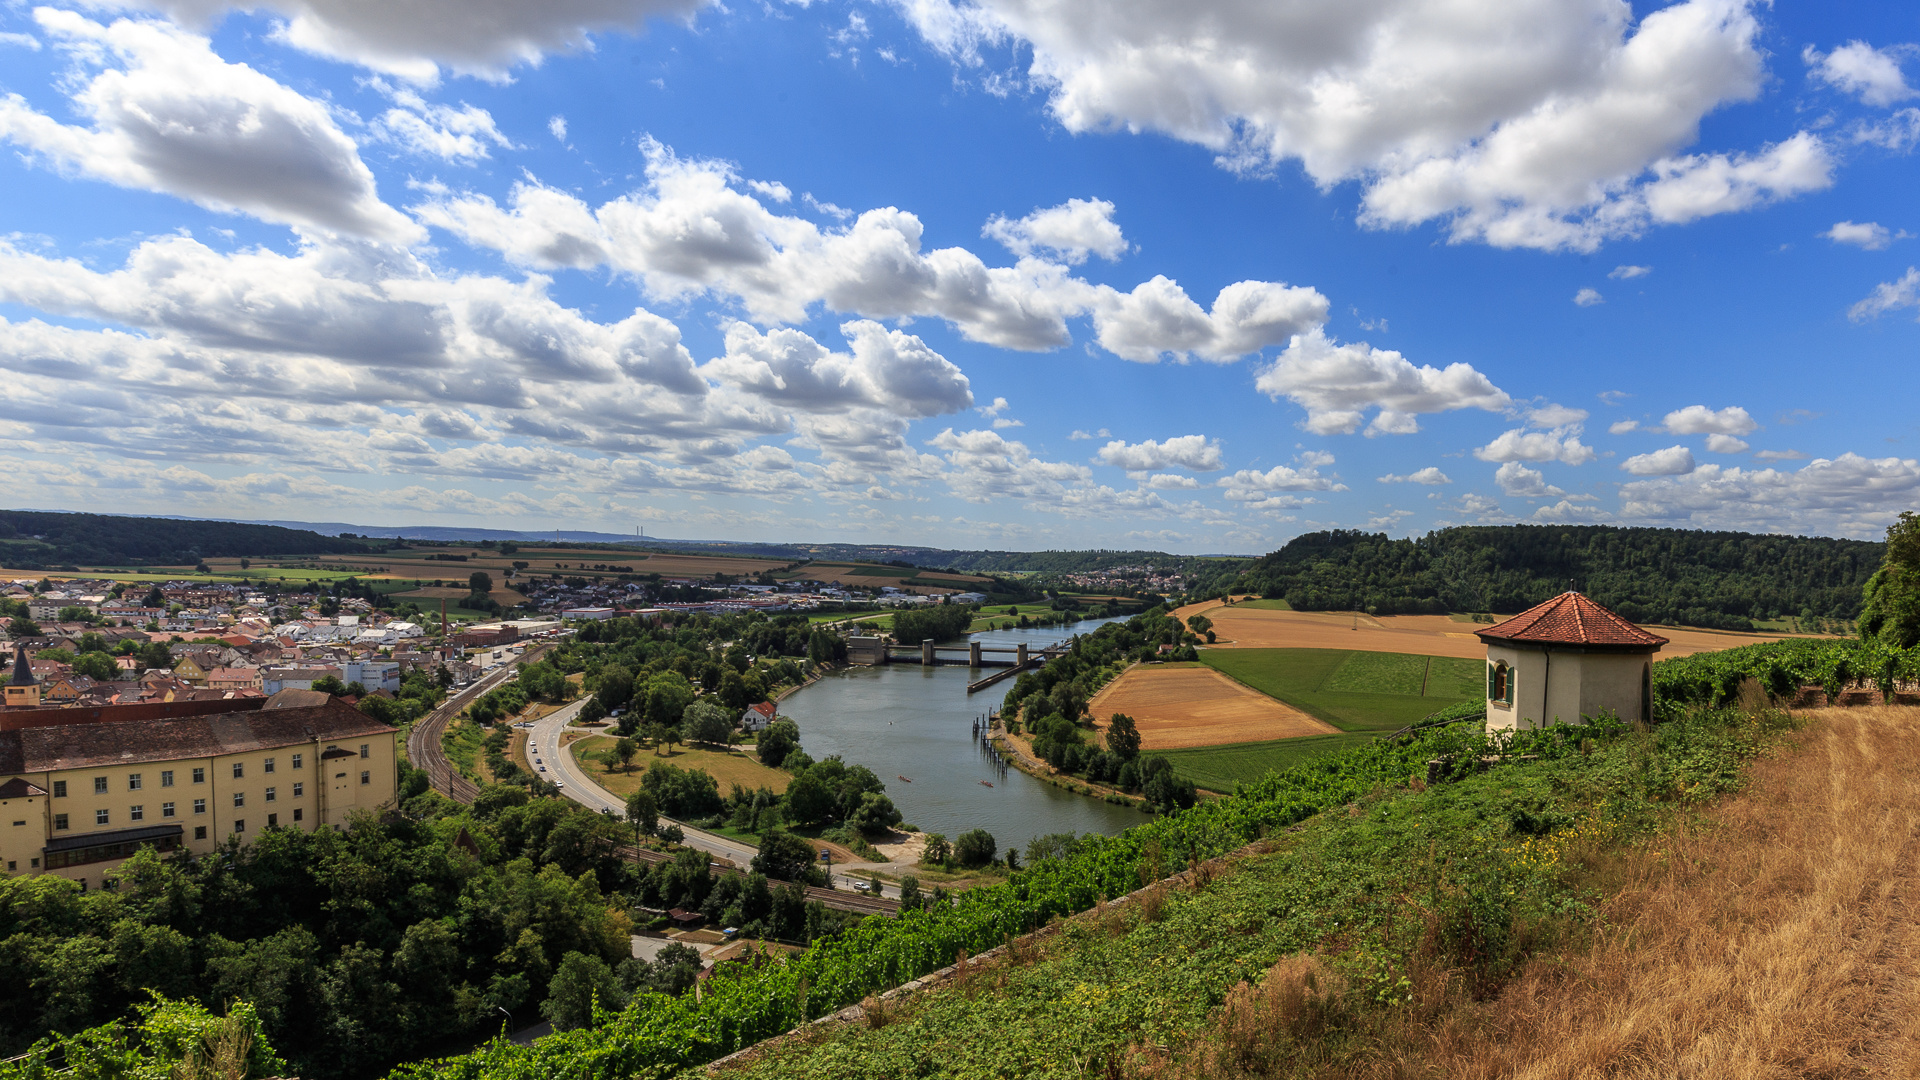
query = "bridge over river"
{"x": 1011, "y": 660}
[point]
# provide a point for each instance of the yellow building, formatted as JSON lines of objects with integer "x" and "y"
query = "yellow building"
{"x": 77, "y": 799}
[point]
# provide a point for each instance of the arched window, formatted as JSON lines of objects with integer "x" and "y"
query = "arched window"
{"x": 1500, "y": 683}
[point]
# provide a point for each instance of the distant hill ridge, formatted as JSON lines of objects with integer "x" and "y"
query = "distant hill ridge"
{"x": 1713, "y": 579}
{"x": 32, "y": 539}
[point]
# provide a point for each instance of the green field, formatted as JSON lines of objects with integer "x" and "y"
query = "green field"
{"x": 1275, "y": 604}
{"x": 1364, "y": 694}
{"x": 1223, "y": 768}
{"x": 1353, "y": 691}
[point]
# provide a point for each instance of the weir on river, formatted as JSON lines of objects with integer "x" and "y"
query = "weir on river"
{"x": 919, "y": 722}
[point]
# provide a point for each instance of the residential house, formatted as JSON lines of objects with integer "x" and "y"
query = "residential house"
{"x": 235, "y": 678}
{"x": 758, "y": 717}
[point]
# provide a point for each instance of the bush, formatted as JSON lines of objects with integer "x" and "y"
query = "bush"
{"x": 974, "y": 848}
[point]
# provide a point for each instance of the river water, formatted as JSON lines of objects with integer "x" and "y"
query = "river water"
{"x": 905, "y": 720}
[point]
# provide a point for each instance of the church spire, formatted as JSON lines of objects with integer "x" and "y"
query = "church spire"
{"x": 22, "y": 668}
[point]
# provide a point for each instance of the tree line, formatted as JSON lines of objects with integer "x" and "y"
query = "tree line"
{"x": 1725, "y": 580}
{"x": 1051, "y": 704}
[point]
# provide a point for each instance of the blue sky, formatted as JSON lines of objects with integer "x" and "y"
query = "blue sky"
{"x": 1196, "y": 276}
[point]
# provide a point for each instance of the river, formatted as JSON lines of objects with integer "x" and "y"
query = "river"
{"x": 905, "y": 720}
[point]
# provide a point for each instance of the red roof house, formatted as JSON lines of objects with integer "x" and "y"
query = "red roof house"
{"x": 1566, "y": 661}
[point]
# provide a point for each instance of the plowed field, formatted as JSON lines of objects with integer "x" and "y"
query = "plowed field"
{"x": 1196, "y": 706}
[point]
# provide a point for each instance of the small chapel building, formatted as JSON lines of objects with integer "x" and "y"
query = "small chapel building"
{"x": 1565, "y": 660}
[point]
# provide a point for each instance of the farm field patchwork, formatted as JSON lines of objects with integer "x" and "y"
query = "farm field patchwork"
{"x": 1353, "y": 690}
{"x": 1197, "y": 706}
{"x": 875, "y": 575}
{"x": 572, "y": 562}
{"x": 1249, "y": 626}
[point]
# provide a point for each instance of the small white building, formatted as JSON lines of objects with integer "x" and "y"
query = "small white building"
{"x": 1564, "y": 661}
{"x": 758, "y": 717}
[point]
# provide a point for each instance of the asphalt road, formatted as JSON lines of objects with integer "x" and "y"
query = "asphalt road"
{"x": 576, "y": 785}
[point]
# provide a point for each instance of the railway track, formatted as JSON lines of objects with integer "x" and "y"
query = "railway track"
{"x": 424, "y": 748}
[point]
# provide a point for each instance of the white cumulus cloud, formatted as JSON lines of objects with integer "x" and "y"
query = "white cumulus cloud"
{"x": 1588, "y": 297}
{"x": 1337, "y": 384}
{"x": 1726, "y": 444}
{"x": 1860, "y": 69}
{"x": 1516, "y": 479}
{"x": 1070, "y": 231}
{"x": 1888, "y": 296}
{"x": 1849, "y": 495}
{"x": 695, "y": 229}
{"x": 166, "y": 114}
{"x": 1673, "y": 461}
{"x": 1518, "y": 444}
{"x": 884, "y": 369}
{"x": 1535, "y": 123}
{"x": 1196, "y": 452}
{"x": 1871, "y": 236}
{"x": 1700, "y": 420}
{"x": 1429, "y": 475}
{"x": 1628, "y": 273}
{"x": 415, "y": 40}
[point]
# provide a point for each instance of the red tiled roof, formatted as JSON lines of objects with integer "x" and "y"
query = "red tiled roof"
{"x": 84, "y": 744}
{"x": 1572, "y": 619}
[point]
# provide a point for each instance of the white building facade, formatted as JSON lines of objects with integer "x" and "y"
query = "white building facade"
{"x": 1565, "y": 661}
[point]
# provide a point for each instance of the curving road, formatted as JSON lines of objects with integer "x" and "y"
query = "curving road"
{"x": 576, "y": 785}
{"x": 425, "y": 751}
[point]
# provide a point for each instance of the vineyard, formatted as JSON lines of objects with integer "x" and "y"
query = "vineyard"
{"x": 658, "y": 1035}
{"x": 1781, "y": 669}
{"x": 741, "y": 1004}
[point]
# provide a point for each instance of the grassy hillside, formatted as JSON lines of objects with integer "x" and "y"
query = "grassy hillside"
{"x": 1676, "y": 576}
{"x": 1317, "y": 953}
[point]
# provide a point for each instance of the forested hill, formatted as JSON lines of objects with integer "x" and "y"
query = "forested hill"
{"x": 32, "y": 539}
{"x": 1718, "y": 579}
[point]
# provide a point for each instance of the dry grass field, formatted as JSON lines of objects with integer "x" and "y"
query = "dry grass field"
{"x": 1779, "y": 937}
{"x": 1428, "y": 635}
{"x": 725, "y": 768}
{"x": 1177, "y": 707}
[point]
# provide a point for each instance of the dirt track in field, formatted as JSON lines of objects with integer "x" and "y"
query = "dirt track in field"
{"x": 1422, "y": 635}
{"x": 1182, "y": 707}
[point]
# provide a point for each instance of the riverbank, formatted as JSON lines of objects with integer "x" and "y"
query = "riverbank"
{"x": 820, "y": 671}
{"x": 1018, "y": 752}
{"x": 921, "y": 732}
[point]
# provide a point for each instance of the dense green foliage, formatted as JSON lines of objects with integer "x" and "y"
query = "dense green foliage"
{"x": 939, "y": 622}
{"x": 172, "y": 1040}
{"x": 358, "y": 948}
{"x": 31, "y": 538}
{"x": 1891, "y": 607}
{"x": 1717, "y": 579}
{"x": 1780, "y": 669}
{"x": 1470, "y": 876}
